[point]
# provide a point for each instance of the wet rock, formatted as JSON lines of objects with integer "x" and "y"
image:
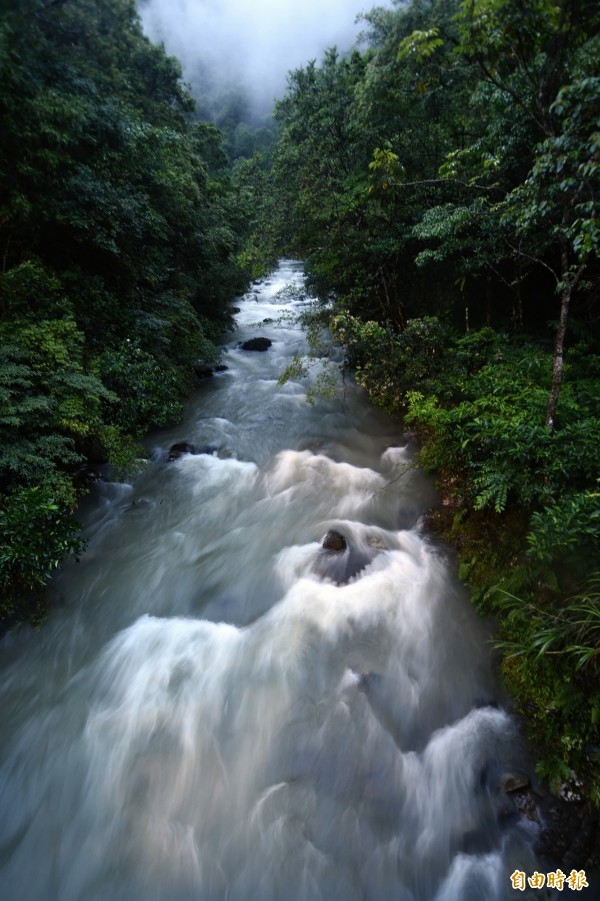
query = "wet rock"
{"x": 86, "y": 476}
{"x": 235, "y": 309}
{"x": 206, "y": 372}
{"x": 515, "y": 782}
{"x": 258, "y": 344}
{"x": 181, "y": 447}
{"x": 203, "y": 371}
{"x": 184, "y": 447}
{"x": 334, "y": 541}
{"x": 571, "y": 790}
{"x": 340, "y": 566}
{"x": 527, "y": 805}
{"x": 517, "y": 787}
{"x": 570, "y": 835}
{"x": 339, "y": 562}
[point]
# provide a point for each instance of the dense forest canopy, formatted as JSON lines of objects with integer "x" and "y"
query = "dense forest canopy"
{"x": 442, "y": 184}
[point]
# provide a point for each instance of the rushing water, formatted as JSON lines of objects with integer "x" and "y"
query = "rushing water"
{"x": 221, "y": 709}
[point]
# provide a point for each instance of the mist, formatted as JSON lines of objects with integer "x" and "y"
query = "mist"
{"x": 247, "y": 44}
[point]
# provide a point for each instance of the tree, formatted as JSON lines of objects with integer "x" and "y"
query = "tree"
{"x": 541, "y": 57}
{"x": 557, "y": 205}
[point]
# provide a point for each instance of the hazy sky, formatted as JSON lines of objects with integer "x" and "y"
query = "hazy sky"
{"x": 255, "y": 40}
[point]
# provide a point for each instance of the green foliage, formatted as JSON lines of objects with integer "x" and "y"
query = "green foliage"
{"x": 30, "y": 291}
{"x": 324, "y": 373}
{"x": 570, "y": 523}
{"x": 263, "y": 213}
{"x": 489, "y": 429}
{"x": 297, "y": 369}
{"x": 572, "y": 631}
{"x": 551, "y": 658}
{"x": 36, "y": 533}
{"x": 387, "y": 362}
{"x": 48, "y": 402}
{"x": 556, "y": 201}
{"x": 148, "y": 394}
{"x": 420, "y": 44}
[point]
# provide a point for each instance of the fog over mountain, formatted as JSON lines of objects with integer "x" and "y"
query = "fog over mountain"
{"x": 252, "y": 43}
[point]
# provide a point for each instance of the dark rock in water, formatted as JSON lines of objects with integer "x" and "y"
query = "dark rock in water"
{"x": 338, "y": 561}
{"x": 334, "y": 541}
{"x": 204, "y": 371}
{"x": 184, "y": 447}
{"x": 235, "y": 309}
{"x": 259, "y": 344}
{"x": 86, "y": 476}
{"x": 515, "y": 782}
{"x": 181, "y": 447}
{"x": 570, "y": 834}
{"x": 527, "y": 805}
{"x": 268, "y": 321}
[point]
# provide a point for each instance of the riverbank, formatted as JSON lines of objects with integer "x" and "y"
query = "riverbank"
{"x": 570, "y": 836}
{"x": 518, "y": 505}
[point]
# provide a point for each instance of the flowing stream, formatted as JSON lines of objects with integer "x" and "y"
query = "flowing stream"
{"x": 219, "y": 708}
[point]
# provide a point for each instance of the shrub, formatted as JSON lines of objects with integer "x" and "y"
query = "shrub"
{"x": 36, "y": 534}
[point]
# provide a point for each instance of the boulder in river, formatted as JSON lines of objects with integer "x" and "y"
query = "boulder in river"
{"x": 184, "y": 447}
{"x": 181, "y": 447}
{"x": 86, "y": 476}
{"x": 259, "y": 344}
{"x": 203, "y": 371}
{"x": 334, "y": 541}
{"x": 515, "y": 782}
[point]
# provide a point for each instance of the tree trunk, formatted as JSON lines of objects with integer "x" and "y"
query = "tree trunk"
{"x": 519, "y": 311}
{"x": 558, "y": 355}
{"x": 488, "y": 299}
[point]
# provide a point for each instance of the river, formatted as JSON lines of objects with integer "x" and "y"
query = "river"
{"x": 219, "y": 708}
